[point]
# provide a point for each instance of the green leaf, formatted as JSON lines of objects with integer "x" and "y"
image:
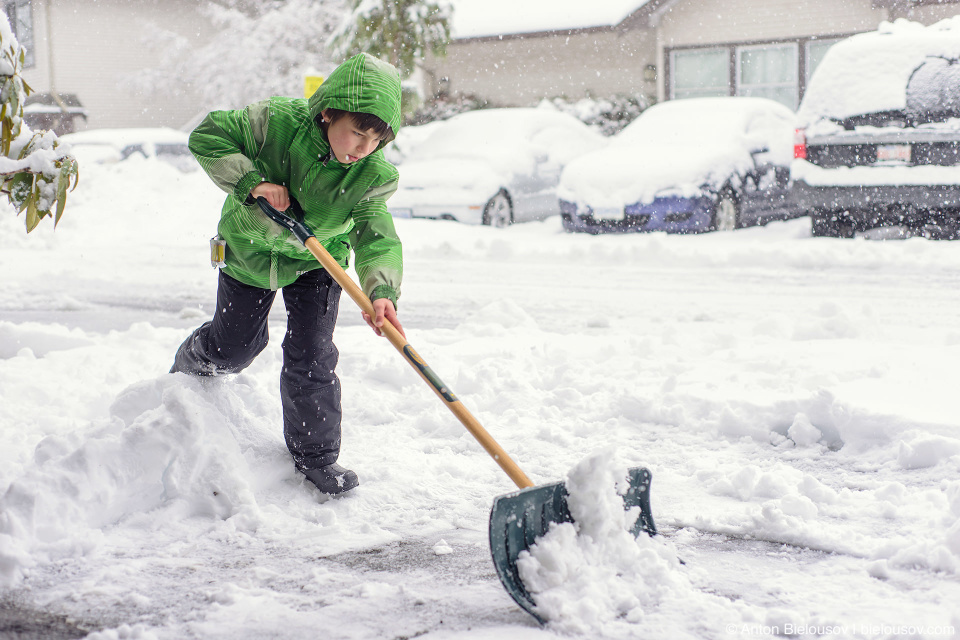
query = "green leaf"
{"x": 63, "y": 182}
{"x": 15, "y": 103}
{"x": 21, "y": 185}
{"x": 32, "y": 218}
{"x": 30, "y": 147}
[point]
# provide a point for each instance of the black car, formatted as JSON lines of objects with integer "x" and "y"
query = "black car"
{"x": 881, "y": 146}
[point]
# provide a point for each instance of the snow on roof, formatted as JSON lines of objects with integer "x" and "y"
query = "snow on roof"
{"x": 476, "y": 18}
{"x": 868, "y": 72}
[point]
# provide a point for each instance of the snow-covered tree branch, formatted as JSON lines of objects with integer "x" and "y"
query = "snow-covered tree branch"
{"x": 255, "y": 50}
{"x": 398, "y": 31}
{"x": 35, "y": 174}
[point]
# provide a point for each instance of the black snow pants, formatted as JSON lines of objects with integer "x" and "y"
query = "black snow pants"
{"x": 309, "y": 387}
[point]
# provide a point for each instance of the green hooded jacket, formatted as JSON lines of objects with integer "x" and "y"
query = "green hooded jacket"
{"x": 278, "y": 140}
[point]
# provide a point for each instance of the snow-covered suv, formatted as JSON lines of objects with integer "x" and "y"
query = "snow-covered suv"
{"x": 881, "y": 139}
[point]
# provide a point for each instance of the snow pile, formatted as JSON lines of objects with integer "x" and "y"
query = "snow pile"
{"x": 592, "y": 573}
{"x": 124, "y": 632}
{"x": 938, "y": 553}
{"x": 170, "y": 450}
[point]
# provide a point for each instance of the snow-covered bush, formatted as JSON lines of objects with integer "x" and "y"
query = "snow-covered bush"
{"x": 250, "y": 51}
{"x": 443, "y": 107}
{"x": 35, "y": 174}
{"x": 609, "y": 115}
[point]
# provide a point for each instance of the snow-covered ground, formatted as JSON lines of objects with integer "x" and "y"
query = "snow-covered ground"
{"x": 794, "y": 397}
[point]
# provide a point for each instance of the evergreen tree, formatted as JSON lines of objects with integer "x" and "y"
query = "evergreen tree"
{"x": 398, "y": 31}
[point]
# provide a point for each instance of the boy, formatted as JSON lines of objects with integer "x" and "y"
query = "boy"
{"x": 326, "y": 152}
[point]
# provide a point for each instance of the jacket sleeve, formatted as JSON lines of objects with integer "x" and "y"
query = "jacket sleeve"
{"x": 225, "y": 144}
{"x": 379, "y": 254}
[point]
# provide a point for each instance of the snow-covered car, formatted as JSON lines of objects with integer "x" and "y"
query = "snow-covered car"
{"x": 880, "y": 138}
{"x": 686, "y": 166}
{"x": 107, "y": 146}
{"x": 492, "y": 166}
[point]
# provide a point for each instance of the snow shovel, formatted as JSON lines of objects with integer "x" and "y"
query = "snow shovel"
{"x": 516, "y": 519}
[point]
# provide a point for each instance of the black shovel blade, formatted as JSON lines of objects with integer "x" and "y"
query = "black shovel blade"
{"x": 517, "y": 519}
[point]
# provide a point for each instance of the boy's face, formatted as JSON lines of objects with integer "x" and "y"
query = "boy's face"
{"x": 348, "y": 142}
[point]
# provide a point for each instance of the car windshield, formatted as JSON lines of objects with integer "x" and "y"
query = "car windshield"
{"x": 933, "y": 91}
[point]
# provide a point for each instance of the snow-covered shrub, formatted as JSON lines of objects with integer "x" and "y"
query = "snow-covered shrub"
{"x": 609, "y": 115}
{"x": 35, "y": 174}
{"x": 250, "y": 51}
{"x": 445, "y": 106}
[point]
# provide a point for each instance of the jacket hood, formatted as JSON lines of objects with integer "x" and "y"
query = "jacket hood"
{"x": 362, "y": 84}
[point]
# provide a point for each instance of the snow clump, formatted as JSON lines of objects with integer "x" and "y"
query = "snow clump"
{"x": 588, "y": 574}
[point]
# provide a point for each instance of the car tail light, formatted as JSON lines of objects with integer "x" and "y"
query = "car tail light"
{"x": 799, "y": 144}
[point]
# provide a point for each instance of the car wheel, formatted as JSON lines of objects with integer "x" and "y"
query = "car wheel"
{"x": 726, "y": 215}
{"x": 498, "y": 211}
{"x": 830, "y": 224}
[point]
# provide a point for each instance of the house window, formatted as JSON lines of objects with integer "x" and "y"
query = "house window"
{"x": 20, "y": 15}
{"x": 816, "y": 49}
{"x": 778, "y": 70}
{"x": 699, "y": 73}
{"x": 769, "y": 71}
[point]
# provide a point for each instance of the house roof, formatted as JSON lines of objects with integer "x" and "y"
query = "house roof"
{"x": 484, "y": 18}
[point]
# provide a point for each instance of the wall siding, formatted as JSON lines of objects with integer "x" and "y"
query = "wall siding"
{"x": 97, "y": 45}
{"x": 520, "y": 71}
{"x": 928, "y": 14}
{"x": 720, "y": 21}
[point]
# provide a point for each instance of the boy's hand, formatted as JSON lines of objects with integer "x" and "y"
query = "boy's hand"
{"x": 276, "y": 194}
{"x": 385, "y": 312}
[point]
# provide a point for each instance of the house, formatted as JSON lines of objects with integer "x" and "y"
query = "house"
{"x": 659, "y": 49}
{"x": 86, "y": 57}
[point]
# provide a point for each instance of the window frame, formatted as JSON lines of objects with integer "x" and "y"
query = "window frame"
{"x": 22, "y": 24}
{"x": 733, "y": 48}
{"x": 673, "y": 64}
{"x": 793, "y": 47}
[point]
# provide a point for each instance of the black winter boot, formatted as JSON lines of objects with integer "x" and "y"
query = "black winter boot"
{"x": 332, "y": 479}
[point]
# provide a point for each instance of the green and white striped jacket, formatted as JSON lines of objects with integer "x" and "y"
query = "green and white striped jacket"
{"x": 278, "y": 140}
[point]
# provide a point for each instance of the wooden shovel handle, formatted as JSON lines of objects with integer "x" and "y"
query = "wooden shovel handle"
{"x": 413, "y": 358}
